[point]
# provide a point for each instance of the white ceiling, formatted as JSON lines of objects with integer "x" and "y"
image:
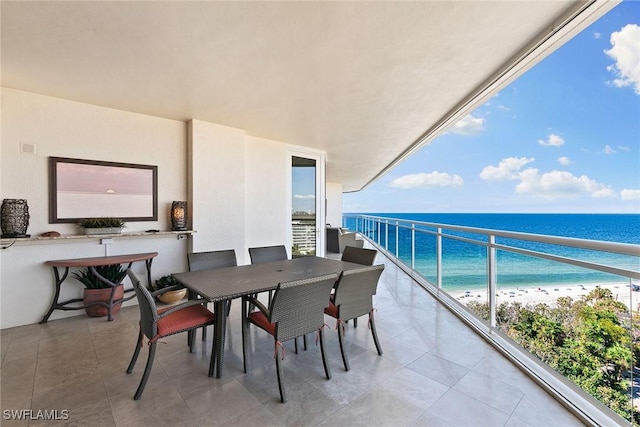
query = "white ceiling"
{"x": 361, "y": 80}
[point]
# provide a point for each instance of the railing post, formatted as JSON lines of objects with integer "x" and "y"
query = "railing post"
{"x": 491, "y": 280}
{"x": 439, "y": 258}
{"x": 378, "y": 232}
{"x": 386, "y": 234}
{"x": 413, "y": 246}
{"x": 397, "y": 237}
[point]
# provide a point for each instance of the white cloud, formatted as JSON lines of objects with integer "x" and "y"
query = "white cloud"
{"x": 597, "y": 35}
{"x": 552, "y": 141}
{"x": 302, "y": 196}
{"x": 469, "y": 126}
{"x": 433, "y": 179}
{"x": 627, "y": 194}
{"x": 508, "y": 168}
{"x": 625, "y": 51}
{"x": 560, "y": 184}
{"x": 564, "y": 160}
{"x": 608, "y": 149}
{"x": 550, "y": 185}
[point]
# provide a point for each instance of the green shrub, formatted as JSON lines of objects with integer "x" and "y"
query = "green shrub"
{"x": 103, "y": 222}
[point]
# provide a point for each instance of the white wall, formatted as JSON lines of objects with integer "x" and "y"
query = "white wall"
{"x": 238, "y": 190}
{"x": 217, "y": 183}
{"x": 334, "y": 204}
{"x": 236, "y": 186}
{"x": 266, "y": 193}
{"x": 71, "y": 129}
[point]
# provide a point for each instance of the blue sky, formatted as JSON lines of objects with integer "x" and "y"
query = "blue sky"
{"x": 303, "y": 188}
{"x": 564, "y": 137}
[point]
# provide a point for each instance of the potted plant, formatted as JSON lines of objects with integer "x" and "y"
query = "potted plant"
{"x": 169, "y": 297}
{"x": 98, "y": 291}
{"x": 102, "y": 225}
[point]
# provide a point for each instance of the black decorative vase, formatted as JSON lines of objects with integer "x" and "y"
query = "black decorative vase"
{"x": 14, "y": 216}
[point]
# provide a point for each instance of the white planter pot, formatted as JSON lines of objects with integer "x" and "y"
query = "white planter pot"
{"x": 106, "y": 230}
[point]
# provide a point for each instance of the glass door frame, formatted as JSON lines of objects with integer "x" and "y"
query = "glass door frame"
{"x": 320, "y": 202}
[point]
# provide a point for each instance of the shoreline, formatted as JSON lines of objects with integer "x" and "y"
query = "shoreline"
{"x": 549, "y": 294}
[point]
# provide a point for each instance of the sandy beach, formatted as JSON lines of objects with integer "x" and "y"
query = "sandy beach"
{"x": 548, "y": 295}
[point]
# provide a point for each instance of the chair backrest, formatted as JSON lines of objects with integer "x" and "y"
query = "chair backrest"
{"x": 333, "y": 239}
{"x": 147, "y": 306}
{"x": 359, "y": 255}
{"x": 210, "y": 260}
{"x": 268, "y": 254}
{"x": 354, "y": 291}
{"x": 298, "y": 306}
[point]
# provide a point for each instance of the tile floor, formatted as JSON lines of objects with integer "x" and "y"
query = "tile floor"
{"x": 434, "y": 372}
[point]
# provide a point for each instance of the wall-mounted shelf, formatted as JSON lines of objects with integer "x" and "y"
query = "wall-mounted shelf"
{"x": 82, "y": 237}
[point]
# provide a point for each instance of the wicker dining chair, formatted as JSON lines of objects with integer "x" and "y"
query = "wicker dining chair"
{"x": 362, "y": 256}
{"x": 267, "y": 254}
{"x": 156, "y": 324}
{"x": 211, "y": 260}
{"x": 358, "y": 255}
{"x": 297, "y": 308}
{"x": 353, "y": 298}
{"x": 263, "y": 254}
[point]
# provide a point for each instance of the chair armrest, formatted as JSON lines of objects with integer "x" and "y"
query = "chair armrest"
{"x": 254, "y": 301}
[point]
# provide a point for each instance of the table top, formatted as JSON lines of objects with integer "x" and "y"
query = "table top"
{"x": 232, "y": 282}
{"x": 101, "y": 260}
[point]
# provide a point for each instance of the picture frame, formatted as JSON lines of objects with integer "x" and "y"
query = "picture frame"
{"x": 80, "y": 189}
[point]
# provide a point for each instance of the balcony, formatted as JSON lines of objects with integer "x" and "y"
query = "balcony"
{"x": 435, "y": 370}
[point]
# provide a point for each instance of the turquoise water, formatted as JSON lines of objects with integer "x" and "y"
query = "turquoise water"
{"x": 464, "y": 264}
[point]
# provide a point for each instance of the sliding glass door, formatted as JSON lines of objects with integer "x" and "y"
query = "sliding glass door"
{"x": 307, "y": 204}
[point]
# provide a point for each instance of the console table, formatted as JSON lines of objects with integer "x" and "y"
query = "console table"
{"x": 91, "y": 263}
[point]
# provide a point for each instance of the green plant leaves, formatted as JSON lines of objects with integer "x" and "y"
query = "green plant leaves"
{"x": 115, "y": 273}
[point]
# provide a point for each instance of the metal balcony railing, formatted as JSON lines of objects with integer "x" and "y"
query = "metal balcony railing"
{"x": 461, "y": 265}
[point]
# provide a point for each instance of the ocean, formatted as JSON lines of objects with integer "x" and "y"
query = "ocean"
{"x": 464, "y": 264}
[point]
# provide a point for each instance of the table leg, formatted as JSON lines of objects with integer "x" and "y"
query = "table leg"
{"x": 190, "y": 296}
{"x": 113, "y": 290}
{"x": 110, "y": 308}
{"x": 54, "y": 301}
{"x": 148, "y": 263}
{"x": 220, "y": 309}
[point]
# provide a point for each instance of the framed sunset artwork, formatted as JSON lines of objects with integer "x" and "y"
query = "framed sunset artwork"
{"x": 81, "y": 189}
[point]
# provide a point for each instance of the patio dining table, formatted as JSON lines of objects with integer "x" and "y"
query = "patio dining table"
{"x": 224, "y": 284}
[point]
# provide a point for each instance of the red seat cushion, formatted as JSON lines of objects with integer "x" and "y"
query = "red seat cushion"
{"x": 332, "y": 310}
{"x": 259, "y": 319}
{"x": 182, "y": 320}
